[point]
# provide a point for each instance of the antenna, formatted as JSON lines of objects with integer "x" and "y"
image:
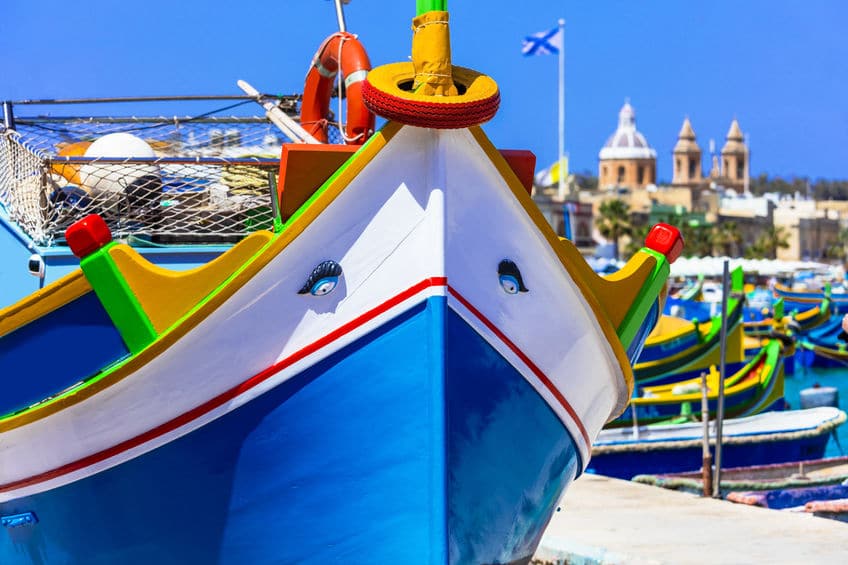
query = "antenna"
{"x": 340, "y": 14}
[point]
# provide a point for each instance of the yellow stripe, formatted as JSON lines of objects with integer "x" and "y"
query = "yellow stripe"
{"x": 670, "y": 328}
{"x": 166, "y": 295}
{"x": 712, "y": 356}
{"x": 44, "y": 301}
{"x": 571, "y": 259}
{"x": 280, "y": 242}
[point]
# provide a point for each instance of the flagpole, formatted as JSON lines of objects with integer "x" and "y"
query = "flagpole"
{"x": 561, "y": 186}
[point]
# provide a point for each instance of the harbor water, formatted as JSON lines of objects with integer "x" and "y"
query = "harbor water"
{"x": 806, "y": 377}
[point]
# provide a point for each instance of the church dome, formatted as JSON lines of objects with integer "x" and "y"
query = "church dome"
{"x": 627, "y": 142}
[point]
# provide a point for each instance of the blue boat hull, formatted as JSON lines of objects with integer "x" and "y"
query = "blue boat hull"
{"x": 417, "y": 443}
{"x": 661, "y": 461}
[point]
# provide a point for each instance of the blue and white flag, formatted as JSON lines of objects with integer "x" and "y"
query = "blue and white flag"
{"x": 543, "y": 43}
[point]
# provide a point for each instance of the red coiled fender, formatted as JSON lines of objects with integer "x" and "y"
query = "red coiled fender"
{"x": 354, "y": 65}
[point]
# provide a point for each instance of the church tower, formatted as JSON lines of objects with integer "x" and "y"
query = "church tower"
{"x": 626, "y": 159}
{"x": 687, "y": 158}
{"x": 734, "y": 158}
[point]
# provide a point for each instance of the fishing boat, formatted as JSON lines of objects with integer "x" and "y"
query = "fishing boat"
{"x": 788, "y": 475}
{"x": 410, "y": 367}
{"x": 756, "y": 387}
{"x": 837, "y": 296}
{"x": 782, "y": 328}
{"x": 691, "y": 290}
{"x": 798, "y": 323}
{"x": 823, "y": 346}
{"x": 681, "y": 349}
{"x": 770, "y": 437}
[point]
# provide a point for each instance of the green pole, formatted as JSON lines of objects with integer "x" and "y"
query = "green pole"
{"x": 118, "y": 299}
{"x": 423, "y": 6}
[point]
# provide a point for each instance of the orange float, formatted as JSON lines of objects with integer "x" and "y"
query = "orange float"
{"x": 71, "y": 173}
{"x": 340, "y": 52}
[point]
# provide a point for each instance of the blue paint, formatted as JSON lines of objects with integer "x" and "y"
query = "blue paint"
{"x": 56, "y": 351}
{"x": 670, "y": 347}
{"x": 389, "y": 451}
{"x": 509, "y": 455}
{"x": 669, "y": 378}
{"x": 15, "y": 248}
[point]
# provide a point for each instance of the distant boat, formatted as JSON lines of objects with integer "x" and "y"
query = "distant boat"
{"x": 755, "y": 387}
{"x": 836, "y": 294}
{"x": 771, "y": 437}
{"x": 679, "y": 349}
{"x": 798, "y": 322}
{"x": 822, "y": 346}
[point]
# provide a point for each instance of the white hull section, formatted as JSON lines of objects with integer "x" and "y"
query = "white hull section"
{"x": 760, "y": 425}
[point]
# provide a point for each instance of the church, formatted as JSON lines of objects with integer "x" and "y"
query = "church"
{"x": 628, "y": 161}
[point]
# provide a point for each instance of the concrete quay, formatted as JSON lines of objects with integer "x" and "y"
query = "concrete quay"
{"x": 605, "y": 521}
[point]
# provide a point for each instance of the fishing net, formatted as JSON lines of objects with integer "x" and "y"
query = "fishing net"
{"x": 171, "y": 180}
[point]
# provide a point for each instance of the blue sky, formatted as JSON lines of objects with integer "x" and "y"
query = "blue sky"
{"x": 778, "y": 66}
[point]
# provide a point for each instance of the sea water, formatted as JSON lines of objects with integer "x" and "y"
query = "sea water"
{"x": 810, "y": 376}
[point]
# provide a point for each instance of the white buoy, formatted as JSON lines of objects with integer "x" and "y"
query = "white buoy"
{"x": 820, "y": 396}
{"x": 115, "y": 178}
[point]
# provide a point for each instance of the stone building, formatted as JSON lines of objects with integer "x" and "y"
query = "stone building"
{"x": 626, "y": 159}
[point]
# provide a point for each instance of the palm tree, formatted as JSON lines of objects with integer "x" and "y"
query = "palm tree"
{"x": 842, "y": 243}
{"x": 767, "y": 244}
{"x": 726, "y": 238}
{"x": 699, "y": 239}
{"x": 613, "y": 221}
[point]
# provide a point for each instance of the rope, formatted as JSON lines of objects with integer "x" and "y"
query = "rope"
{"x": 681, "y": 483}
{"x": 153, "y": 126}
{"x": 340, "y": 80}
{"x": 434, "y": 22}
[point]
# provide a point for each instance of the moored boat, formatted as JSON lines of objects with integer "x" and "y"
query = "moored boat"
{"x": 342, "y": 388}
{"x": 756, "y": 387}
{"x": 770, "y": 437}
{"x": 838, "y": 296}
{"x": 824, "y": 346}
{"x": 680, "y": 349}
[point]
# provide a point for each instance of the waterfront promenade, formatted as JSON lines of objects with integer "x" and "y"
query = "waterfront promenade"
{"x": 610, "y": 521}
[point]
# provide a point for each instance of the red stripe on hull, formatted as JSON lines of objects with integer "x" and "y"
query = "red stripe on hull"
{"x": 526, "y": 360}
{"x": 257, "y": 379}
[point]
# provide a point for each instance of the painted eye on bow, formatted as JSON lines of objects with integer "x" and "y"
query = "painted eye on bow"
{"x": 510, "y": 277}
{"x": 324, "y": 286}
{"x": 509, "y": 284}
{"x": 323, "y": 279}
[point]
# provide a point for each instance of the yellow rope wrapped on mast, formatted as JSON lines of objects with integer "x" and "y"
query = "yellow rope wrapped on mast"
{"x": 431, "y": 55}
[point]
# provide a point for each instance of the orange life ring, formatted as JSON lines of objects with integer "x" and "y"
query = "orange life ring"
{"x": 354, "y": 66}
